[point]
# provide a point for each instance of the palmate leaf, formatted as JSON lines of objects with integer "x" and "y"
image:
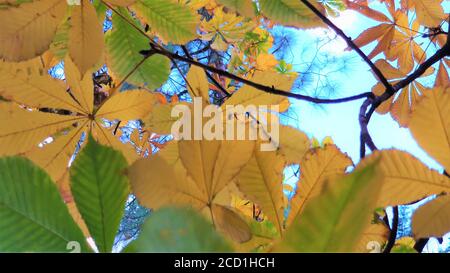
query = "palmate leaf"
{"x": 408, "y": 98}
{"x": 194, "y": 173}
{"x": 430, "y": 13}
{"x": 178, "y": 230}
{"x": 261, "y": 181}
{"x": 33, "y": 215}
{"x": 432, "y": 219}
{"x": 24, "y": 129}
{"x": 86, "y": 36}
{"x": 318, "y": 166}
{"x": 28, "y": 29}
{"x": 334, "y": 220}
{"x": 404, "y": 178}
{"x": 430, "y": 124}
{"x": 100, "y": 190}
{"x": 170, "y": 20}
{"x": 123, "y": 44}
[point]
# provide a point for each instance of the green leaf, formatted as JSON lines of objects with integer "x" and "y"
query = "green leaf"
{"x": 100, "y": 189}
{"x": 33, "y": 216}
{"x": 178, "y": 230}
{"x": 123, "y": 44}
{"x": 334, "y": 220}
{"x": 172, "y": 21}
{"x": 290, "y": 13}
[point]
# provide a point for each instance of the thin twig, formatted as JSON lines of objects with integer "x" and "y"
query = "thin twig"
{"x": 157, "y": 49}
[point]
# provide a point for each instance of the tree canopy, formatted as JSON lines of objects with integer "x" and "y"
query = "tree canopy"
{"x": 88, "y": 92}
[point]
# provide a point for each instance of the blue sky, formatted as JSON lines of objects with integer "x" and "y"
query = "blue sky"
{"x": 340, "y": 121}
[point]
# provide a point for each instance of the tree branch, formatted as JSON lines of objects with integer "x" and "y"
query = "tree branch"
{"x": 157, "y": 49}
{"x": 351, "y": 44}
{"x": 211, "y": 78}
{"x": 261, "y": 87}
{"x": 393, "y": 234}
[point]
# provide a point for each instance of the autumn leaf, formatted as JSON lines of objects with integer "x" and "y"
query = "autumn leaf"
{"x": 334, "y": 220}
{"x": 404, "y": 178}
{"x": 373, "y": 238}
{"x": 194, "y": 173}
{"x": 317, "y": 166}
{"x": 65, "y": 130}
{"x": 225, "y": 28}
{"x": 430, "y": 13}
{"x": 430, "y": 125}
{"x": 244, "y": 7}
{"x": 432, "y": 219}
{"x": 197, "y": 84}
{"x": 401, "y": 106}
{"x": 395, "y": 39}
{"x": 261, "y": 181}
{"x": 86, "y": 37}
{"x": 28, "y": 29}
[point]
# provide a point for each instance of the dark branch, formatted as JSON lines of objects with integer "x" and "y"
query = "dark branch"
{"x": 351, "y": 44}
{"x": 157, "y": 49}
{"x": 268, "y": 89}
{"x": 393, "y": 234}
{"x": 211, "y": 78}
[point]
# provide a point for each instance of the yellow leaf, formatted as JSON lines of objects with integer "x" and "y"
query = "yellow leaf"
{"x": 432, "y": 219}
{"x": 374, "y": 236}
{"x": 261, "y": 180}
{"x": 55, "y": 156}
{"x": 193, "y": 173}
{"x": 265, "y": 61}
{"x": 404, "y": 178}
{"x": 197, "y": 83}
{"x": 430, "y": 13}
{"x": 122, "y": 3}
{"x": 160, "y": 120}
{"x": 22, "y": 130}
{"x": 318, "y": 166}
{"x": 225, "y": 28}
{"x": 86, "y": 37}
{"x": 61, "y": 118}
{"x": 400, "y": 107}
{"x": 130, "y": 104}
{"x": 34, "y": 90}
{"x": 430, "y": 125}
{"x": 244, "y": 7}
{"x": 229, "y": 222}
{"x": 442, "y": 78}
{"x": 81, "y": 86}
{"x": 29, "y": 28}
{"x": 293, "y": 144}
{"x": 64, "y": 188}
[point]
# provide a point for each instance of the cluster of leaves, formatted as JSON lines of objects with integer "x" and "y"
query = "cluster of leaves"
{"x": 234, "y": 191}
